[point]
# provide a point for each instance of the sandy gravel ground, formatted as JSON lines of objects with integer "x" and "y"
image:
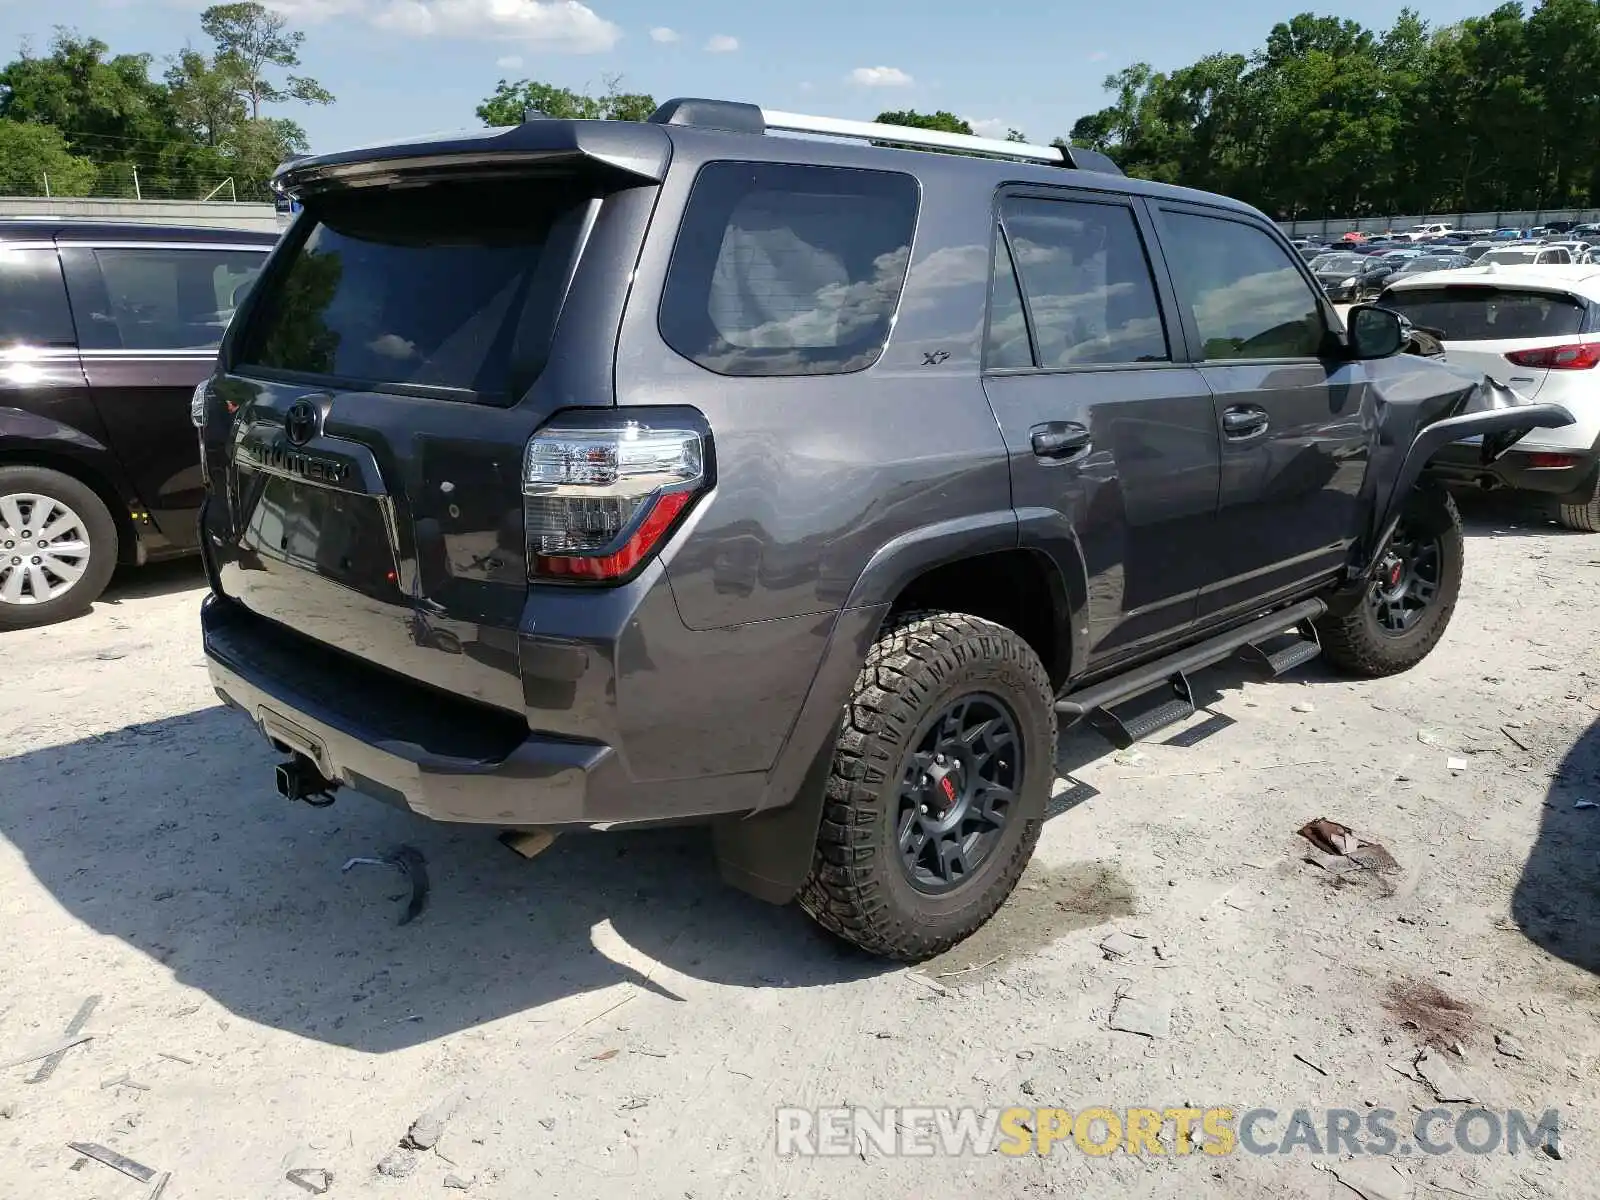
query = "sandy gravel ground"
{"x": 612, "y": 1022}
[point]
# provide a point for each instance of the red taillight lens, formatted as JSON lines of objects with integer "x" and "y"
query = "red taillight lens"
{"x": 598, "y": 500}
{"x": 1559, "y": 358}
{"x": 1551, "y": 460}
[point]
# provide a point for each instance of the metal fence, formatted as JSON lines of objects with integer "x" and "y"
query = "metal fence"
{"x": 1526, "y": 218}
{"x": 243, "y": 215}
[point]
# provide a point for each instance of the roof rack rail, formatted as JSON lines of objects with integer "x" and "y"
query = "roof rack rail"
{"x": 748, "y": 118}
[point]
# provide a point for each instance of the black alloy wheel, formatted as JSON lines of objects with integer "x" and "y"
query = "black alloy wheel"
{"x": 957, "y": 789}
{"x": 1407, "y": 583}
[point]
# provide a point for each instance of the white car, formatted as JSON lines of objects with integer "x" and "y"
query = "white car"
{"x": 1527, "y": 253}
{"x": 1537, "y": 330}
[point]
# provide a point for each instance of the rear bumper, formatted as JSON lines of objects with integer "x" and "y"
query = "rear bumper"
{"x": 1460, "y": 463}
{"x": 439, "y": 755}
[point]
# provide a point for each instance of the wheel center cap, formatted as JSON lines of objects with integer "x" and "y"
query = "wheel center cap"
{"x": 945, "y": 784}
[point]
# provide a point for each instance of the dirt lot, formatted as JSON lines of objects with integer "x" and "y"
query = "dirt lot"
{"x": 615, "y": 1023}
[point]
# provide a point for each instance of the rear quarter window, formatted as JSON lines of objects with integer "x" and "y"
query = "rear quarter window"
{"x": 781, "y": 269}
{"x": 1488, "y": 314}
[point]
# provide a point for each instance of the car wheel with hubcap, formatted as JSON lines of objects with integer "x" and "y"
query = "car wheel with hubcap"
{"x": 58, "y": 546}
{"x": 938, "y": 787}
{"x": 1407, "y": 605}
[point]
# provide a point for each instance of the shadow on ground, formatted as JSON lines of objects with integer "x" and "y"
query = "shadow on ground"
{"x": 1509, "y": 514}
{"x": 1558, "y": 896}
{"x": 157, "y": 579}
{"x": 169, "y": 837}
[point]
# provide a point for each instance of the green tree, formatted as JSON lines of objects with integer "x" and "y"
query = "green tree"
{"x": 511, "y": 101}
{"x": 944, "y": 122}
{"x": 34, "y": 159}
{"x": 250, "y": 40}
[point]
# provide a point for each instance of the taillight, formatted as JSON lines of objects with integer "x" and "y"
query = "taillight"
{"x": 1559, "y": 358}
{"x": 598, "y": 500}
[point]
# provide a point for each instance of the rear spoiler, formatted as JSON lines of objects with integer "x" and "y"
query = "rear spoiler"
{"x": 632, "y": 152}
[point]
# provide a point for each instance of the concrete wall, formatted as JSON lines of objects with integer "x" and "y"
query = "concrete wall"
{"x": 220, "y": 213}
{"x": 1521, "y": 219}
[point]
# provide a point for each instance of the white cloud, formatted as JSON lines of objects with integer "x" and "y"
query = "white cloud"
{"x": 989, "y": 127}
{"x": 881, "y": 77}
{"x": 662, "y": 34}
{"x": 563, "y": 26}
{"x": 721, "y": 43}
{"x": 1099, "y": 56}
{"x": 311, "y": 12}
{"x": 509, "y": 62}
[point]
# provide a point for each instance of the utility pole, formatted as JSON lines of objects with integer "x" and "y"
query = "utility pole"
{"x": 47, "y": 185}
{"x": 136, "y": 194}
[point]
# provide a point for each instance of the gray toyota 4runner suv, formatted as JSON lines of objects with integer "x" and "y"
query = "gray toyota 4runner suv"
{"x": 602, "y": 474}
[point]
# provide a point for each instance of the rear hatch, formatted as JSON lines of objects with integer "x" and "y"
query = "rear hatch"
{"x": 365, "y": 440}
{"x": 1514, "y": 335}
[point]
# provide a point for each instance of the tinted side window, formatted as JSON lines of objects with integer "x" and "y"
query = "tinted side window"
{"x": 1008, "y": 345}
{"x": 788, "y": 270}
{"x": 1087, "y": 282}
{"x": 160, "y": 298}
{"x": 33, "y": 300}
{"x": 1247, "y": 298}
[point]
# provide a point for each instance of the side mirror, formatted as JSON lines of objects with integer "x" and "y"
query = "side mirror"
{"x": 1375, "y": 332}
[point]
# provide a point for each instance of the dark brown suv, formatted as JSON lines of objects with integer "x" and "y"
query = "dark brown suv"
{"x": 105, "y": 330}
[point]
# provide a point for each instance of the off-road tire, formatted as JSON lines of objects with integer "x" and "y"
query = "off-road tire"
{"x": 857, "y": 888}
{"x": 1355, "y": 645}
{"x": 102, "y": 537}
{"x": 1583, "y": 516}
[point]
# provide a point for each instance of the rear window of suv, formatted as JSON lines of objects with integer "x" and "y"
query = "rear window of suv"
{"x": 781, "y": 269}
{"x": 448, "y": 288}
{"x": 1488, "y": 314}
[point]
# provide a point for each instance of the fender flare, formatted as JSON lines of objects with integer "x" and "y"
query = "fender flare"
{"x": 768, "y": 852}
{"x": 1518, "y": 419}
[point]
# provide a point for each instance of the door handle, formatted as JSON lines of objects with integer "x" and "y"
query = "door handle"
{"x": 1059, "y": 439}
{"x": 1244, "y": 420}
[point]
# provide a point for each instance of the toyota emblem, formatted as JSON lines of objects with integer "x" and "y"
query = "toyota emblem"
{"x": 300, "y": 422}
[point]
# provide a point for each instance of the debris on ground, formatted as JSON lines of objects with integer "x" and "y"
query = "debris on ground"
{"x": 1345, "y": 848}
{"x": 1509, "y": 1046}
{"x": 315, "y": 1180}
{"x": 1586, "y": 804}
{"x": 397, "y": 1164}
{"x": 938, "y": 988}
{"x": 1515, "y": 740}
{"x": 1129, "y": 757}
{"x": 125, "y": 1080}
{"x": 1119, "y": 945}
{"x": 159, "y": 1188}
{"x": 1374, "y": 1180}
{"x": 409, "y": 862}
{"x": 637, "y": 1102}
{"x": 548, "y": 1122}
{"x": 1302, "y": 707}
{"x": 69, "y": 1038}
{"x": 50, "y": 1051}
{"x": 1428, "y": 737}
{"x": 1149, "y": 1016}
{"x": 1309, "y": 1063}
{"x": 427, "y": 1129}
{"x": 1439, "y": 1075}
{"x": 117, "y": 1162}
{"x": 1456, "y": 765}
{"x": 457, "y": 1182}
{"x": 604, "y": 1055}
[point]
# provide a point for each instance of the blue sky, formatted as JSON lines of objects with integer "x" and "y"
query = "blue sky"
{"x": 401, "y": 67}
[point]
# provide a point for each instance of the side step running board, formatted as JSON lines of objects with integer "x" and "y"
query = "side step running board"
{"x": 1097, "y": 703}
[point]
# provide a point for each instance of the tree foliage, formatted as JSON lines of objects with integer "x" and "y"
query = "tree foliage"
{"x": 512, "y": 101}
{"x": 1330, "y": 118}
{"x": 184, "y": 133}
